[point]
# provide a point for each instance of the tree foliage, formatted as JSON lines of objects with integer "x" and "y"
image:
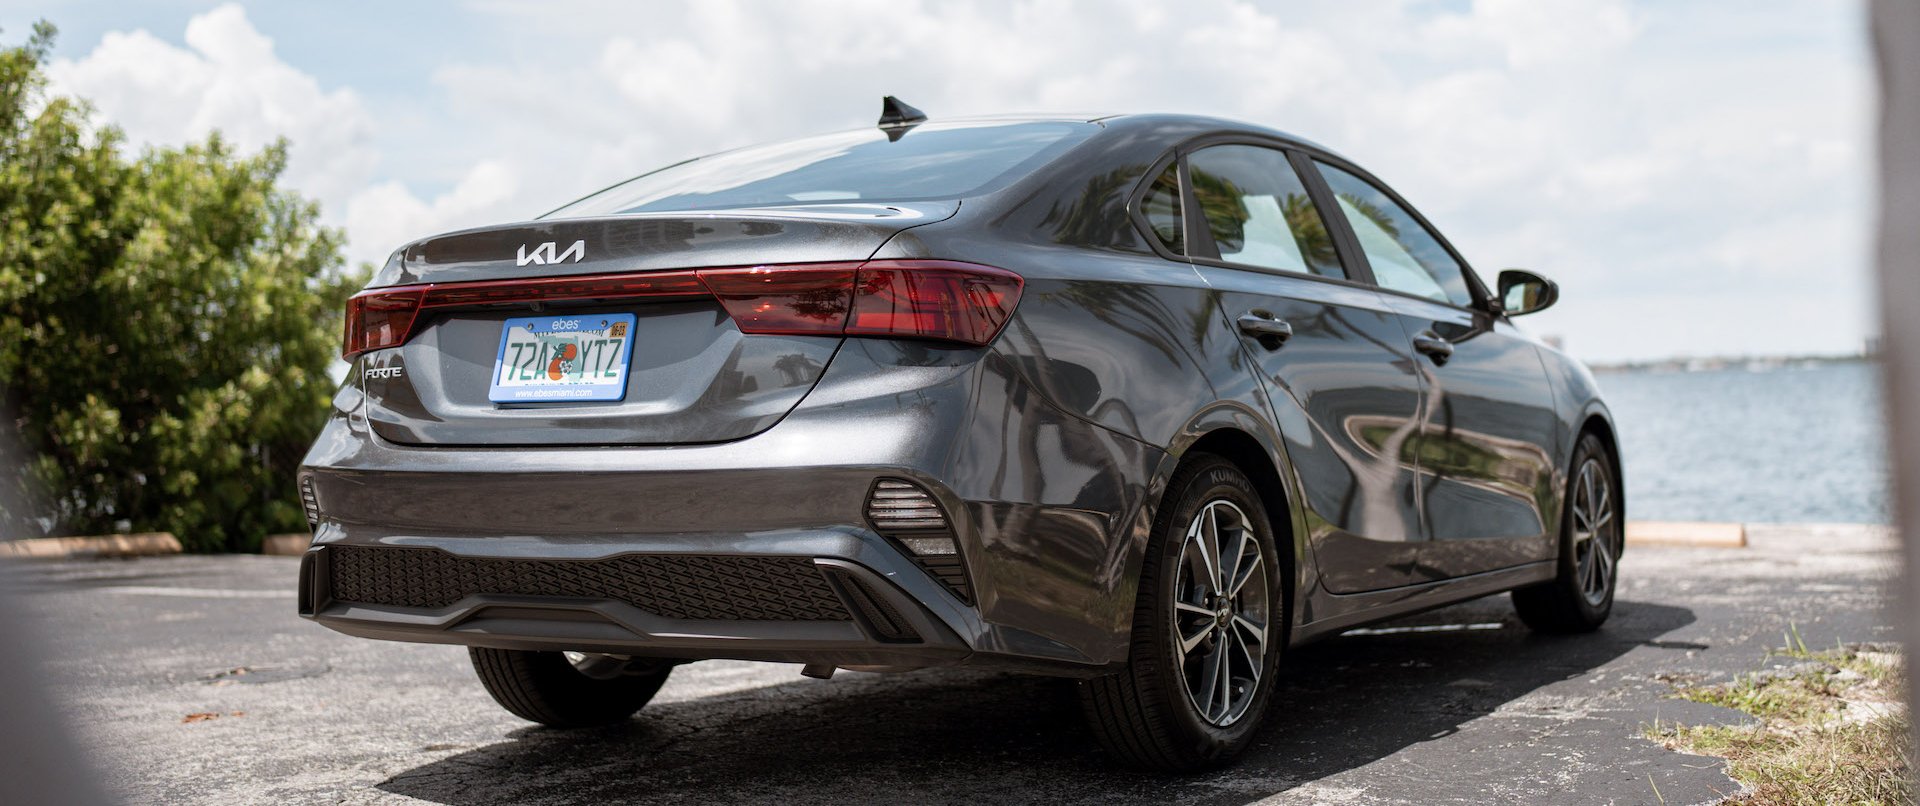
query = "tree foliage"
{"x": 167, "y": 323}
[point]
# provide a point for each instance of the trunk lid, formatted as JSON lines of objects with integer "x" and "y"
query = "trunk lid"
{"x": 691, "y": 375}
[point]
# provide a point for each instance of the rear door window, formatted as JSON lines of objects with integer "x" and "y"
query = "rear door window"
{"x": 1258, "y": 211}
{"x": 1404, "y": 255}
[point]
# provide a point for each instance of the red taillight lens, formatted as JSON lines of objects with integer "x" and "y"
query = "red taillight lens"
{"x": 553, "y": 289}
{"x": 385, "y": 317}
{"x": 933, "y": 299}
{"x": 795, "y": 300}
{"x": 914, "y": 299}
{"x": 380, "y": 319}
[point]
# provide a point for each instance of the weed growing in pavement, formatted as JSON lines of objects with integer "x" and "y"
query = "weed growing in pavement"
{"x": 1832, "y": 728}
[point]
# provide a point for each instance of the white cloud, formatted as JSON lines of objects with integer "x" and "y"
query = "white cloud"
{"x": 230, "y": 79}
{"x": 227, "y": 78}
{"x": 388, "y": 214}
{"x": 1644, "y": 154}
{"x": 1531, "y": 33}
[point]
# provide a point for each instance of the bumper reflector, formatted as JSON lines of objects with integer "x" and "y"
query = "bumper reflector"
{"x": 930, "y": 546}
{"x": 902, "y": 505}
{"x": 908, "y": 515}
{"x": 309, "y": 502}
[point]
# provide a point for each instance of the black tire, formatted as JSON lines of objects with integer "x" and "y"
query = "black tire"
{"x": 545, "y": 687}
{"x": 1146, "y": 715}
{"x": 1574, "y": 602}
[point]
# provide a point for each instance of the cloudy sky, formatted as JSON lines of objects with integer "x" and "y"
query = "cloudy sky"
{"x": 1693, "y": 173}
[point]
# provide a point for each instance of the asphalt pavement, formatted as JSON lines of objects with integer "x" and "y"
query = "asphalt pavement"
{"x": 192, "y": 681}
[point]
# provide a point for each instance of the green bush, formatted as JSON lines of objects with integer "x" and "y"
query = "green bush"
{"x": 167, "y": 324}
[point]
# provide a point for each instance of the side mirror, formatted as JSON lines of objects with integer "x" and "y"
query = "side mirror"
{"x": 1523, "y": 292}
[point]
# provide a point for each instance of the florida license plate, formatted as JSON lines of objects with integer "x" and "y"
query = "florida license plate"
{"x": 546, "y": 359}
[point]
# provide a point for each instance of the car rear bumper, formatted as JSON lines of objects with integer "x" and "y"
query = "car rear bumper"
{"x": 1041, "y": 580}
{"x": 797, "y": 605}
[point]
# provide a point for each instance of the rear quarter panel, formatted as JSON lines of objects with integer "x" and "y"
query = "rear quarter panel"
{"x": 1111, "y": 334}
{"x": 1132, "y": 344}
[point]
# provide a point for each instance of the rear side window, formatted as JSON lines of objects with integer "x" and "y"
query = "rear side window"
{"x": 1161, "y": 208}
{"x": 1405, "y": 257}
{"x": 1258, "y": 211}
{"x": 929, "y": 162}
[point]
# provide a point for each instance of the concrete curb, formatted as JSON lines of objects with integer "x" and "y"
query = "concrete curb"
{"x": 288, "y": 545}
{"x": 1679, "y": 533}
{"x": 145, "y": 544}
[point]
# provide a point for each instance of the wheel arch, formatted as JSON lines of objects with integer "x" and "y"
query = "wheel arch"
{"x": 1243, "y": 437}
{"x": 1599, "y": 423}
{"x": 1252, "y": 458}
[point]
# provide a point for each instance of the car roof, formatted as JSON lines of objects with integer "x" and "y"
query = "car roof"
{"x": 1188, "y": 125}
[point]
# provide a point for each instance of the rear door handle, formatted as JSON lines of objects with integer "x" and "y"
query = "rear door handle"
{"x": 1270, "y": 331}
{"x": 1434, "y": 347}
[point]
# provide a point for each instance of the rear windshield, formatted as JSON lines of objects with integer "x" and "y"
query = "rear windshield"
{"x": 929, "y": 162}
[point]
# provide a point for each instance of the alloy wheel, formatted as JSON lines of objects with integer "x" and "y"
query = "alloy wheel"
{"x": 1595, "y": 532}
{"x": 1220, "y": 613}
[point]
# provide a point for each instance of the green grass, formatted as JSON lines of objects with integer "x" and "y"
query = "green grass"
{"x": 1805, "y": 748}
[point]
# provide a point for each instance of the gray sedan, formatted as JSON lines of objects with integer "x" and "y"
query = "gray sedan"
{"x": 1144, "y": 400}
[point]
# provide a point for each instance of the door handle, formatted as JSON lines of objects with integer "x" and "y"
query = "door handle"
{"x": 1434, "y": 347}
{"x": 1270, "y": 331}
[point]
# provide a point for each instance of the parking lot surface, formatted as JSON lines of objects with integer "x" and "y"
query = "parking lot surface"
{"x": 192, "y": 680}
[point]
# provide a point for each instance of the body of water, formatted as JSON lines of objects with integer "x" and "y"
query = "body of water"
{"x": 1788, "y": 445}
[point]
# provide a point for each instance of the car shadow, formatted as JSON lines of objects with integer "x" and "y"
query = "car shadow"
{"x": 956, "y": 735}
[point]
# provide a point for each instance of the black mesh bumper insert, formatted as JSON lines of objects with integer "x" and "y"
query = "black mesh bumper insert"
{"x": 674, "y": 586}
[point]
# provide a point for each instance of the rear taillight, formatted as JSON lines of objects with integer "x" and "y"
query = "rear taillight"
{"x": 933, "y": 299}
{"x": 942, "y": 300}
{"x": 379, "y": 319}
{"x": 386, "y": 317}
{"x": 793, "y": 300}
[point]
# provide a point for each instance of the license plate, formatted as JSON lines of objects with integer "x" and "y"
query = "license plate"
{"x": 547, "y": 359}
